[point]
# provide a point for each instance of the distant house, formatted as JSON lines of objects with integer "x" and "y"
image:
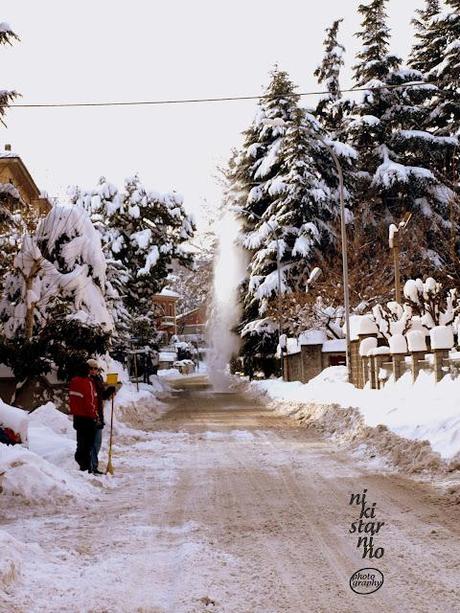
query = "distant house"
{"x": 14, "y": 172}
{"x": 192, "y": 322}
{"x": 164, "y": 306}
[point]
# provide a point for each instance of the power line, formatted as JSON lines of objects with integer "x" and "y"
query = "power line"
{"x": 204, "y": 100}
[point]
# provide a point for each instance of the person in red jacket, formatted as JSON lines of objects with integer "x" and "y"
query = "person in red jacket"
{"x": 84, "y": 408}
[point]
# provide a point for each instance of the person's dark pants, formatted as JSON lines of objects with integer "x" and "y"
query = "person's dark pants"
{"x": 95, "y": 449}
{"x": 86, "y": 433}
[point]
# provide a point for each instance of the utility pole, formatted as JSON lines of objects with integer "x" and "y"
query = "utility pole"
{"x": 343, "y": 230}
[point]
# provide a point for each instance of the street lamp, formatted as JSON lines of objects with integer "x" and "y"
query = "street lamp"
{"x": 394, "y": 244}
{"x": 343, "y": 231}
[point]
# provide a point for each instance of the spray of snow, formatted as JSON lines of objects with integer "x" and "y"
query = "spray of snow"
{"x": 229, "y": 269}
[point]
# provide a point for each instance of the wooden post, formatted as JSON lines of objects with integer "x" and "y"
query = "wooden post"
{"x": 374, "y": 372}
{"x": 365, "y": 369}
{"x": 285, "y": 364}
{"x": 417, "y": 357}
{"x": 439, "y": 356}
{"x": 379, "y": 359}
{"x": 397, "y": 359}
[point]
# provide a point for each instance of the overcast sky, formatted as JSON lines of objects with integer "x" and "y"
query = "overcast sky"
{"x": 106, "y": 50}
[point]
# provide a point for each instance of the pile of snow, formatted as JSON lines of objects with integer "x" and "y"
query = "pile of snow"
{"x": 15, "y": 419}
{"x": 169, "y": 373}
{"x": 52, "y": 436}
{"x": 26, "y": 474}
{"x": 135, "y": 406}
{"x": 416, "y": 425}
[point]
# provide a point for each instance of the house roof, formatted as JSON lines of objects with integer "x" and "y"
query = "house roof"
{"x": 187, "y": 313}
{"x": 20, "y": 170}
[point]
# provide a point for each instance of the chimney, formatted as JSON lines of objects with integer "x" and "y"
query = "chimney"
{"x": 7, "y": 147}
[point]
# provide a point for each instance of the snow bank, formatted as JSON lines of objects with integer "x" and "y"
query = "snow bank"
{"x": 136, "y": 406}
{"x": 52, "y": 436}
{"x": 26, "y": 474}
{"x": 416, "y": 425}
{"x": 15, "y": 419}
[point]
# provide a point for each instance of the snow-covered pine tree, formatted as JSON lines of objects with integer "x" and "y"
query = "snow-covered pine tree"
{"x": 330, "y": 108}
{"x": 300, "y": 219}
{"x": 396, "y": 157}
{"x": 429, "y": 55}
{"x": 62, "y": 261}
{"x": 427, "y": 49}
{"x": 255, "y": 167}
{"x": 253, "y": 183}
{"x": 446, "y": 72}
{"x": 100, "y": 204}
{"x": 144, "y": 232}
{"x": 54, "y": 298}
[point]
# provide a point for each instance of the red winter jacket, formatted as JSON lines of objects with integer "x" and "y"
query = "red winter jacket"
{"x": 83, "y": 397}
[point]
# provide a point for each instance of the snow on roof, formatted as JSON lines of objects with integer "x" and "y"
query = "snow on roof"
{"x": 313, "y": 337}
{"x": 190, "y": 312}
{"x": 336, "y": 344}
{"x": 9, "y": 154}
{"x": 169, "y": 292}
{"x": 292, "y": 346}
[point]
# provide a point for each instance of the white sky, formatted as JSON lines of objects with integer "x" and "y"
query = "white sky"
{"x": 99, "y": 50}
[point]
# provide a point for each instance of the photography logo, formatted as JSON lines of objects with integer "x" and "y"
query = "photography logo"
{"x": 366, "y": 527}
{"x": 366, "y": 581}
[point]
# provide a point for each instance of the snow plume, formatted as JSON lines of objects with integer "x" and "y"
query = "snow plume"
{"x": 229, "y": 270}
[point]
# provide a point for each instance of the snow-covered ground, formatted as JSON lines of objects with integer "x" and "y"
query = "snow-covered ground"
{"x": 221, "y": 505}
{"x": 425, "y": 413}
{"x": 42, "y": 473}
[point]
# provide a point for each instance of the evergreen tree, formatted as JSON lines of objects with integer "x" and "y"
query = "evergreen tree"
{"x": 61, "y": 265}
{"x": 53, "y": 309}
{"x": 11, "y": 226}
{"x": 395, "y": 156}
{"x": 143, "y": 232}
{"x": 256, "y": 165}
{"x": 446, "y": 72}
{"x": 254, "y": 185}
{"x": 427, "y": 48}
{"x": 330, "y": 108}
{"x": 7, "y": 36}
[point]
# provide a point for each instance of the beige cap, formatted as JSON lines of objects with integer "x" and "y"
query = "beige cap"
{"x": 92, "y": 363}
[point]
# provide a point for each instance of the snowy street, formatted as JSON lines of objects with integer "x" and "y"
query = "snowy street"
{"x": 225, "y": 506}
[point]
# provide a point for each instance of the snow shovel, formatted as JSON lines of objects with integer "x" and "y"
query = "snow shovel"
{"x": 109, "y": 468}
{"x": 112, "y": 378}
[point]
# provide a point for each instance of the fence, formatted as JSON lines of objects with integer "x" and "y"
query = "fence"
{"x": 373, "y": 370}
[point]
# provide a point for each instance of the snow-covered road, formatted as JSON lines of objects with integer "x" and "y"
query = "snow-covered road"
{"x": 227, "y": 507}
